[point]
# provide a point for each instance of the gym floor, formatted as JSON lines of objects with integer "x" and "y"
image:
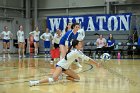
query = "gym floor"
{"x": 114, "y": 76}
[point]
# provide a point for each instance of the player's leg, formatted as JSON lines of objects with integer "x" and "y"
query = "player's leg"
{"x": 71, "y": 75}
{"x": 50, "y": 80}
{"x": 19, "y": 49}
{"x": 48, "y": 48}
{"x": 63, "y": 51}
{"x": 45, "y": 48}
{"x": 23, "y": 49}
{"x": 35, "y": 46}
{"x": 8, "y": 49}
{"x": 4, "y": 49}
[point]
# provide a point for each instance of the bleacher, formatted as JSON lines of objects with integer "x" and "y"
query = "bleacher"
{"x": 121, "y": 42}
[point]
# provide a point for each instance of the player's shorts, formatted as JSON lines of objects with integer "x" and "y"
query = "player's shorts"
{"x": 47, "y": 44}
{"x": 62, "y": 42}
{"x": 6, "y": 41}
{"x": 61, "y": 67}
{"x": 56, "y": 45}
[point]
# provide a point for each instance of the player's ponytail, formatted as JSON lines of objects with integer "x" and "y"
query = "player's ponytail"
{"x": 68, "y": 52}
{"x": 74, "y": 43}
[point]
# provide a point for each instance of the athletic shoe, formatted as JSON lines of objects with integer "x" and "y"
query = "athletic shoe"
{"x": 33, "y": 83}
{"x": 20, "y": 56}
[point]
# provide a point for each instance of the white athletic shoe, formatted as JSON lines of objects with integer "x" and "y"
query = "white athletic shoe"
{"x": 20, "y": 56}
{"x": 78, "y": 64}
{"x": 33, "y": 83}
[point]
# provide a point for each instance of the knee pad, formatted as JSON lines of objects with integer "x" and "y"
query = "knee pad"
{"x": 50, "y": 80}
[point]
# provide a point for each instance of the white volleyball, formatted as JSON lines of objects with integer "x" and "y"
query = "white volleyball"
{"x": 105, "y": 56}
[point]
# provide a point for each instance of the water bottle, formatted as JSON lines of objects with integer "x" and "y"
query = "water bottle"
{"x": 119, "y": 55}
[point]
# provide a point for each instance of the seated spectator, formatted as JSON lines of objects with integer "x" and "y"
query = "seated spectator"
{"x": 101, "y": 44}
{"x": 110, "y": 43}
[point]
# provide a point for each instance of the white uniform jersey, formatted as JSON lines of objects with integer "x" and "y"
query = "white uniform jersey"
{"x": 35, "y": 35}
{"x": 101, "y": 42}
{"x": 56, "y": 38}
{"x": 71, "y": 56}
{"x": 46, "y": 36}
{"x": 20, "y": 36}
{"x": 81, "y": 35}
{"x": 6, "y": 35}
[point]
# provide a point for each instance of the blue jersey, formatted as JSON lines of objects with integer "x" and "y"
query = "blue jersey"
{"x": 69, "y": 36}
{"x": 110, "y": 42}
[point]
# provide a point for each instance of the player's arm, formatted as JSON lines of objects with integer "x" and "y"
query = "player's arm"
{"x": 11, "y": 35}
{"x": 84, "y": 57}
{"x": 42, "y": 37}
{"x": 1, "y": 35}
{"x": 51, "y": 37}
{"x": 17, "y": 34}
{"x": 94, "y": 62}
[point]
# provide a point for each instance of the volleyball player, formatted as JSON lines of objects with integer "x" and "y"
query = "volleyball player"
{"x": 56, "y": 40}
{"x": 21, "y": 41}
{"x": 6, "y": 35}
{"x": 80, "y": 37}
{"x": 64, "y": 65}
{"x": 36, "y": 34}
{"x": 67, "y": 38}
{"x": 47, "y": 38}
{"x": 68, "y": 28}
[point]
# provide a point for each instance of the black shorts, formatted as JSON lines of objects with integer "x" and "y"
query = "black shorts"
{"x": 56, "y": 45}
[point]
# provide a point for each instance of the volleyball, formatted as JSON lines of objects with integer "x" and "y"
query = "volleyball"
{"x": 105, "y": 56}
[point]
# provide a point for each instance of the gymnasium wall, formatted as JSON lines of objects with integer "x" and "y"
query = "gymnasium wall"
{"x": 13, "y": 14}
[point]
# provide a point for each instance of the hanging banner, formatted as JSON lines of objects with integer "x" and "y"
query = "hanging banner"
{"x": 99, "y": 22}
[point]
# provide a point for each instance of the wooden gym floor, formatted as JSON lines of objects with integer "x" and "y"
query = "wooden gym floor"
{"x": 115, "y": 76}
